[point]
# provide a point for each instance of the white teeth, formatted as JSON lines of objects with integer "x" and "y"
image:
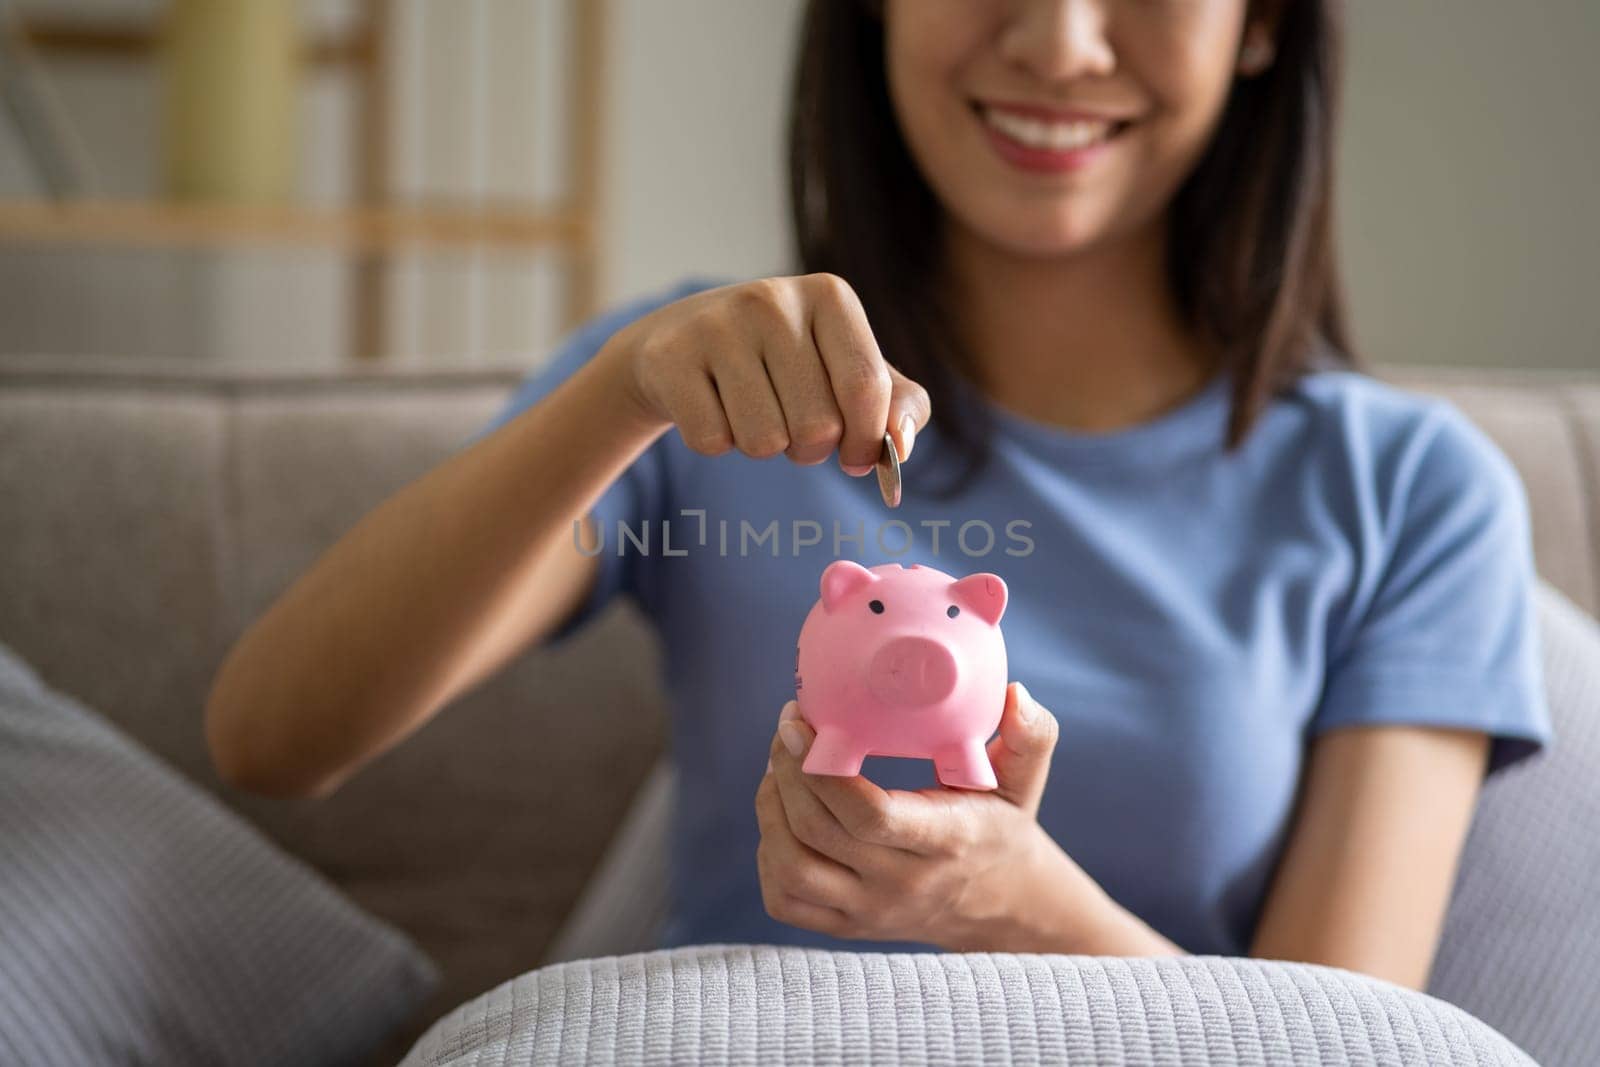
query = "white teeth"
{"x": 1057, "y": 136}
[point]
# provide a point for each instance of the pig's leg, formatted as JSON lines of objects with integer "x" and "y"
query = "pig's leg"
{"x": 965, "y": 765}
{"x": 835, "y": 752}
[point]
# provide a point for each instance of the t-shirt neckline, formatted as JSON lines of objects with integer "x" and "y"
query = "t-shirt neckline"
{"x": 1195, "y": 424}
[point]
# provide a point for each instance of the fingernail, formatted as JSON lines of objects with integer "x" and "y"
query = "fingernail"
{"x": 793, "y": 740}
{"x": 855, "y": 471}
{"x": 791, "y": 710}
{"x": 769, "y": 766}
{"x": 908, "y": 435}
{"x": 1025, "y": 704}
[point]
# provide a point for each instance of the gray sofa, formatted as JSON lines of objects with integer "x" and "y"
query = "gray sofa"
{"x": 153, "y": 510}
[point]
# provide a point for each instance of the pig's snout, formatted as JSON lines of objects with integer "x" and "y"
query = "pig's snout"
{"x": 912, "y": 671}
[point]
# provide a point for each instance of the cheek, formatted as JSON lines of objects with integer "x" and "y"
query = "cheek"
{"x": 1187, "y": 67}
{"x": 928, "y": 46}
{"x": 1188, "y": 81}
{"x": 934, "y": 33}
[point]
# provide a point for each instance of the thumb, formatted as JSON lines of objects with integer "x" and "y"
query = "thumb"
{"x": 909, "y": 411}
{"x": 1021, "y": 754}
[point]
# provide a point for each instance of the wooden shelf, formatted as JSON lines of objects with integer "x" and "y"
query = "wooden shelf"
{"x": 361, "y": 229}
{"x": 76, "y": 38}
{"x": 379, "y": 226}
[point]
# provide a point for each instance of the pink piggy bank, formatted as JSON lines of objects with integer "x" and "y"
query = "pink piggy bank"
{"x": 903, "y": 661}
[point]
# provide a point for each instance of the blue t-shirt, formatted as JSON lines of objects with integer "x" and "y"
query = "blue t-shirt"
{"x": 1192, "y": 618}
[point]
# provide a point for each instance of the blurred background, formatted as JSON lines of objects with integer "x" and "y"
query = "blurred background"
{"x": 422, "y": 182}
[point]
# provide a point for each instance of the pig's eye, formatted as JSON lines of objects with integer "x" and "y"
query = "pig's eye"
{"x": 952, "y": 611}
{"x": 876, "y": 606}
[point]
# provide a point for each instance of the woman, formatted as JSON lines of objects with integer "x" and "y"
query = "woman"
{"x": 1075, "y": 257}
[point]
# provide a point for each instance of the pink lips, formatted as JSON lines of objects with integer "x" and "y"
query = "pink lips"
{"x": 1046, "y": 160}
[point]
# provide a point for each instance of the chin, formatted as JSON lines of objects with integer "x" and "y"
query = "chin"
{"x": 1051, "y": 237}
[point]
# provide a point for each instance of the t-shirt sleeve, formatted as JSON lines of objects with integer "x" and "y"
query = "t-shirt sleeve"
{"x": 1443, "y": 630}
{"x": 635, "y": 497}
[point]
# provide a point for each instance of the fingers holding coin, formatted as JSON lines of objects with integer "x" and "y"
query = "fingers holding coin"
{"x": 889, "y": 473}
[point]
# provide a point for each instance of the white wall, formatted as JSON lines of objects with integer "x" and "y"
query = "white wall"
{"x": 696, "y": 178}
{"x": 1469, "y": 188}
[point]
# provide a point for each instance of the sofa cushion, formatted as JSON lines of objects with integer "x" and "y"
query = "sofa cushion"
{"x": 142, "y": 923}
{"x": 163, "y": 506}
{"x": 765, "y": 1004}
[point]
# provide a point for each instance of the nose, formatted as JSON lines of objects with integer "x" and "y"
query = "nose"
{"x": 912, "y": 671}
{"x": 1059, "y": 39}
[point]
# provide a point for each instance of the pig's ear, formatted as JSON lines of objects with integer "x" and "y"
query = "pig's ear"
{"x": 842, "y": 578}
{"x": 984, "y": 594}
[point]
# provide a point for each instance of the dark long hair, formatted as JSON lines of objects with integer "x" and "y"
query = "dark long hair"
{"x": 1251, "y": 245}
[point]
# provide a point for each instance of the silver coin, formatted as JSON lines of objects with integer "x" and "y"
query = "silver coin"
{"x": 889, "y": 473}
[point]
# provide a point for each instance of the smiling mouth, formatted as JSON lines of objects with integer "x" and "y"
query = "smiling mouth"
{"x": 1049, "y": 135}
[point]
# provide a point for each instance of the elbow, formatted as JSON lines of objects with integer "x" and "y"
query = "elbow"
{"x": 247, "y": 761}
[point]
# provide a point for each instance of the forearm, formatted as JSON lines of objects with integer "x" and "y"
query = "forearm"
{"x": 424, "y": 597}
{"x": 1365, "y": 880}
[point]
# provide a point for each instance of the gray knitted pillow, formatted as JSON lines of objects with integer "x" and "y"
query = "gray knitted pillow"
{"x": 142, "y": 923}
{"x": 763, "y": 1005}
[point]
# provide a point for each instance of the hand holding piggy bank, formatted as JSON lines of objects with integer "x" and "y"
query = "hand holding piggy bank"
{"x": 898, "y": 661}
